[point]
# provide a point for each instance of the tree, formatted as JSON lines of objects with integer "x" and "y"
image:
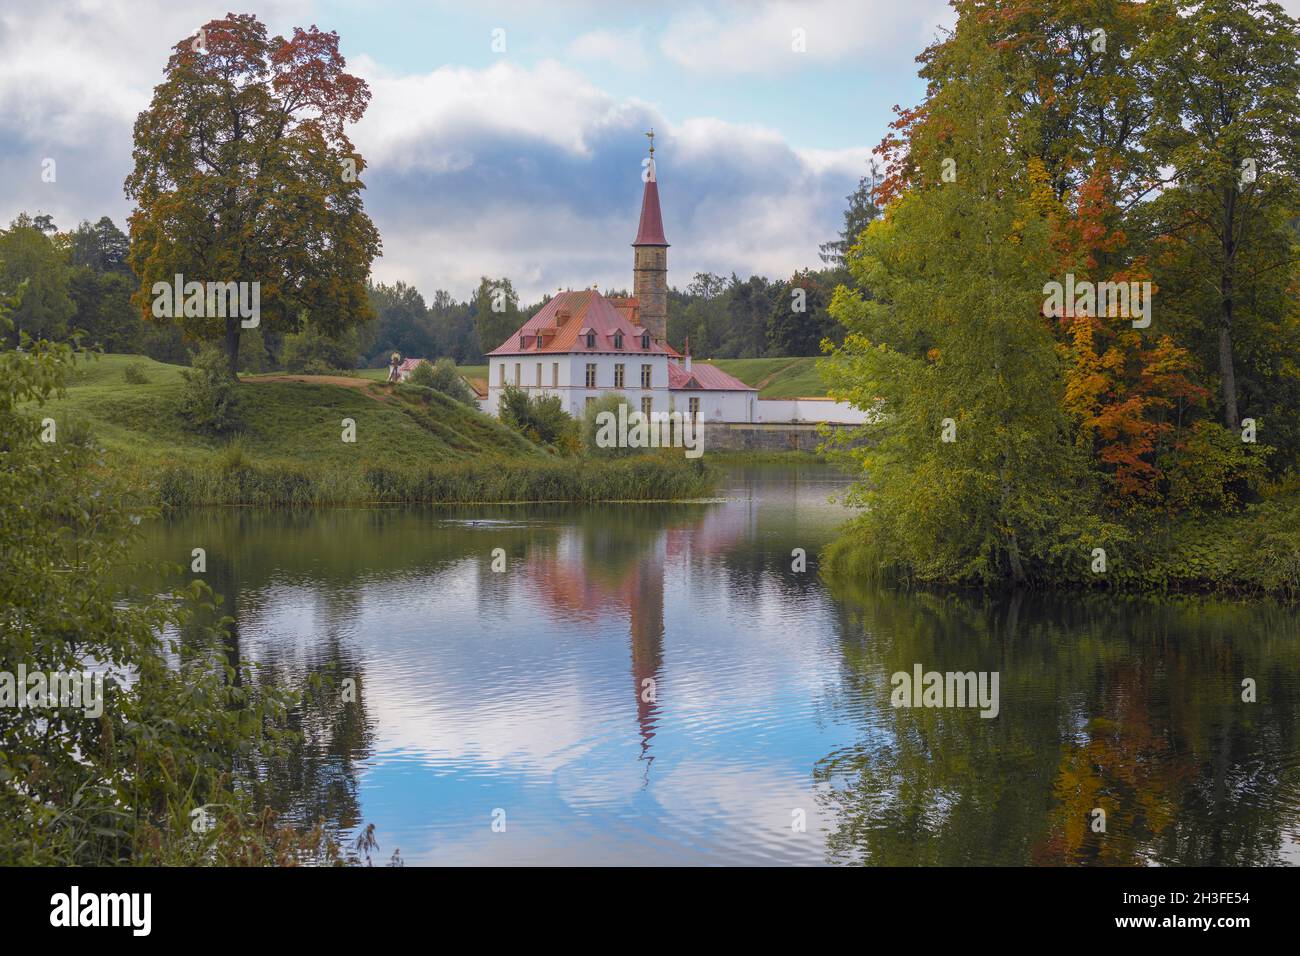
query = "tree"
{"x": 496, "y": 312}
{"x": 33, "y": 269}
{"x": 970, "y": 474}
{"x": 244, "y": 173}
{"x": 861, "y": 212}
{"x": 799, "y": 319}
{"x": 79, "y": 788}
{"x": 1227, "y": 114}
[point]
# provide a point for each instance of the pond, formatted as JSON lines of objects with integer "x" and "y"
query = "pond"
{"x": 664, "y": 684}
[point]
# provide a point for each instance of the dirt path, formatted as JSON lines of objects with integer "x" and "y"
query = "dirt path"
{"x": 767, "y": 379}
{"x": 361, "y": 385}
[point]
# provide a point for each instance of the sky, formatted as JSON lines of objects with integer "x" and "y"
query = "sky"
{"x": 515, "y": 153}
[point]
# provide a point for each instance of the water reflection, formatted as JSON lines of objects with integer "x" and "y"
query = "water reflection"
{"x": 657, "y": 684}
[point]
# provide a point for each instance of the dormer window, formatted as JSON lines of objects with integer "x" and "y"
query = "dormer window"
{"x": 591, "y": 340}
{"x": 618, "y": 340}
{"x": 645, "y": 341}
{"x": 523, "y": 341}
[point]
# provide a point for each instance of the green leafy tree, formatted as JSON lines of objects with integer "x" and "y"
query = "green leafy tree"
{"x": 80, "y": 788}
{"x": 442, "y": 376}
{"x": 1226, "y": 113}
{"x": 496, "y": 312}
{"x": 244, "y": 173}
{"x": 209, "y": 400}
{"x": 800, "y": 318}
{"x": 969, "y": 473}
{"x": 35, "y": 271}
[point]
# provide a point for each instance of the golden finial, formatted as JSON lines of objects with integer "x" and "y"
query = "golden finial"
{"x": 651, "y": 136}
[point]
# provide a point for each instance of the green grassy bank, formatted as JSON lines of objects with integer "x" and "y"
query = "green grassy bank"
{"x": 411, "y": 445}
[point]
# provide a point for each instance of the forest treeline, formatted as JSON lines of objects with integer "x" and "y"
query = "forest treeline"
{"x": 81, "y": 280}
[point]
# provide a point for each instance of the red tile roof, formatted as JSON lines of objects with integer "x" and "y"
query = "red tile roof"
{"x": 585, "y": 309}
{"x": 651, "y": 230}
{"x": 708, "y": 378}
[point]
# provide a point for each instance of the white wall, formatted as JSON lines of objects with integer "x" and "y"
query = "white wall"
{"x": 782, "y": 410}
{"x": 572, "y": 387}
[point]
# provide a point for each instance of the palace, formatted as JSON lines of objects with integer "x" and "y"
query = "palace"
{"x": 581, "y": 344}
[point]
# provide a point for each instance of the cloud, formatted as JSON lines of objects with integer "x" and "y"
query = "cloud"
{"x": 626, "y": 49}
{"x": 527, "y": 170}
{"x": 762, "y": 38}
{"x": 534, "y": 173}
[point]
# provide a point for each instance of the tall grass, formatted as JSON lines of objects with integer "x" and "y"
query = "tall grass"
{"x": 233, "y": 480}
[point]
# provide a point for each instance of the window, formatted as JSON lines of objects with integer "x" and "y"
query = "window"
{"x": 591, "y": 374}
{"x": 517, "y": 378}
{"x": 591, "y": 400}
{"x": 555, "y": 375}
{"x": 501, "y": 374}
{"x": 645, "y": 341}
{"x": 591, "y": 340}
{"x": 539, "y": 374}
{"x": 645, "y": 375}
{"x": 693, "y": 407}
{"x": 618, "y": 376}
{"x": 647, "y": 405}
{"x": 618, "y": 340}
{"x": 523, "y": 341}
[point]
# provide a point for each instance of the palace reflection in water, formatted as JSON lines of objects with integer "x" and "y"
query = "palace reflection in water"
{"x": 655, "y": 684}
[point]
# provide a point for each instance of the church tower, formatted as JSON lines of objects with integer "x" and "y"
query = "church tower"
{"x": 650, "y": 258}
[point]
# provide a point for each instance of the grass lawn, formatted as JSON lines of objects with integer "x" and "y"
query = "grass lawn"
{"x": 777, "y": 377}
{"x": 140, "y": 424}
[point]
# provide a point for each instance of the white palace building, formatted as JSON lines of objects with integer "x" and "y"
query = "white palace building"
{"x": 582, "y": 345}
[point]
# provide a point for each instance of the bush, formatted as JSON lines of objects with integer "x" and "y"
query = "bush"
{"x": 134, "y": 374}
{"x": 443, "y": 376}
{"x": 541, "y": 419}
{"x": 606, "y": 403}
{"x": 314, "y": 353}
{"x": 209, "y": 398}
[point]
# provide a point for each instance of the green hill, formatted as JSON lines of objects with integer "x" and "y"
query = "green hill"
{"x": 777, "y": 377}
{"x": 411, "y": 444}
{"x": 294, "y": 418}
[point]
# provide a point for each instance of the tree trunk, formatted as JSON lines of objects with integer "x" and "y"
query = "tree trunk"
{"x": 1226, "y": 373}
{"x": 1229, "y": 378}
{"x": 232, "y": 345}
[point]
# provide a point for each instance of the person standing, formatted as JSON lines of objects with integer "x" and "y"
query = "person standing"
{"x": 393, "y": 364}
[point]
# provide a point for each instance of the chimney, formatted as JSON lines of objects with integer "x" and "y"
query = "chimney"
{"x": 687, "y": 363}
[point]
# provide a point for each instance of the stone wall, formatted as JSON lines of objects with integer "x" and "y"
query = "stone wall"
{"x": 736, "y": 436}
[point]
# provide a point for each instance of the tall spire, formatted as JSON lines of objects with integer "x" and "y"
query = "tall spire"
{"x": 650, "y": 257}
{"x": 651, "y": 229}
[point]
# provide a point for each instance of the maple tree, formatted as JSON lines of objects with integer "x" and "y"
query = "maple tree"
{"x": 244, "y": 173}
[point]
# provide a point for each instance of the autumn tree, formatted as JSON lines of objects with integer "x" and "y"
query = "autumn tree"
{"x": 969, "y": 471}
{"x": 244, "y": 173}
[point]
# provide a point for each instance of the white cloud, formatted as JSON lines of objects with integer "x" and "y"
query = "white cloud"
{"x": 760, "y": 38}
{"x": 625, "y": 49}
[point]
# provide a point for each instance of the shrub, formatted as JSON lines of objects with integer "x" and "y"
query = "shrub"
{"x": 606, "y": 403}
{"x": 134, "y": 374}
{"x": 209, "y": 399}
{"x": 541, "y": 419}
{"x": 443, "y": 376}
{"x": 313, "y": 352}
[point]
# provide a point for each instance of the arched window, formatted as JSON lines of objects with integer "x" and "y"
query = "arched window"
{"x": 618, "y": 340}
{"x": 591, "y": 340}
